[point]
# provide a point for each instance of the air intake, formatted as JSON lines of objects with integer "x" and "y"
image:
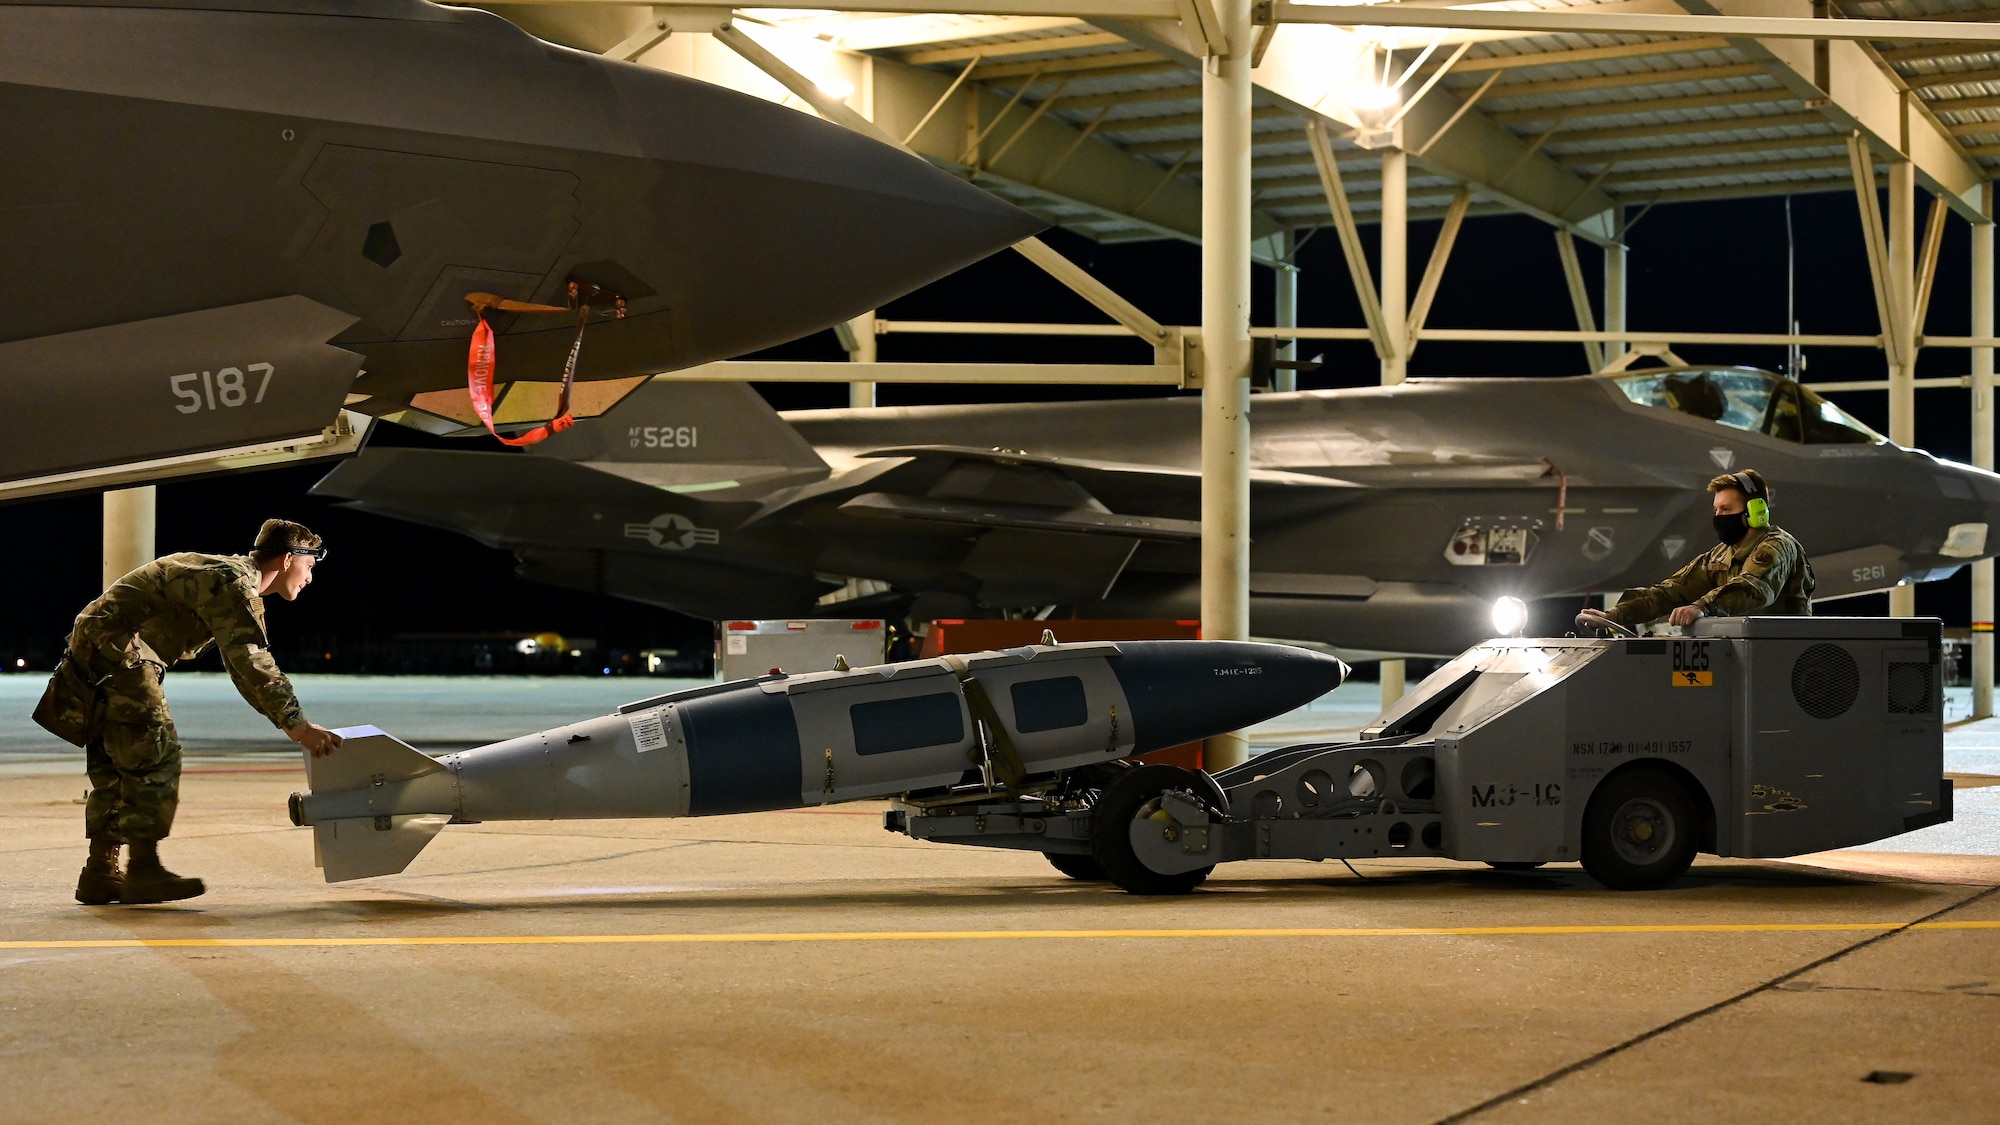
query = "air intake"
{"x": 1825, "y": 681}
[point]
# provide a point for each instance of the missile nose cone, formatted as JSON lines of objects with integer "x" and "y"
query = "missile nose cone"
{"x": 1182, "y": 691}
{"x": 796, "y": 223}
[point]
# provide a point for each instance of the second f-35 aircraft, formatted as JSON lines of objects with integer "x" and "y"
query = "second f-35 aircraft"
{"x": 1384, "y": 520}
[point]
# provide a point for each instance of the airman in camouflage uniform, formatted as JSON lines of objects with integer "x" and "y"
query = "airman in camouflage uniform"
{"x": 1761, "y": 570}
{"x": 169, "y": 610}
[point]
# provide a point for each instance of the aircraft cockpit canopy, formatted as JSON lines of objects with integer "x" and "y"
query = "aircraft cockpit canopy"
{"x": 1745, "y": 398}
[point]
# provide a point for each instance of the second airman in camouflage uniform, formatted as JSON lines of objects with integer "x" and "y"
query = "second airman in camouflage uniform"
{"x": 169, "y": 610}
{"x": 1763, "y": 570}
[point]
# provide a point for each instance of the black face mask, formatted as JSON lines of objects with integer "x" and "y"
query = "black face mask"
{"x": 1731, "y": 528}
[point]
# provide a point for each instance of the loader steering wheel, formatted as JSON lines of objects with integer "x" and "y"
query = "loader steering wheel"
{"x": 1591, "y": 619}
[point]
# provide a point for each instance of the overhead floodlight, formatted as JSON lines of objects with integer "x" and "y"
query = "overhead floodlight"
{"x": 836, "y": 88}
{"x": 1373, "y": 104}
{"x": 1510, "y": 616}
{"x": 1373, "y": 95}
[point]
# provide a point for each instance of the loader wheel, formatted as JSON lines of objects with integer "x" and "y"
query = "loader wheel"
{"x": 1111, "y": 830}
{"x": 1640, "y": 830}
{"x": 1082, "y": 867}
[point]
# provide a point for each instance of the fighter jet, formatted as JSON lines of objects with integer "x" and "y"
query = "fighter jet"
{"x": 1384, "y": 520}
{"x": 224, "y": 219}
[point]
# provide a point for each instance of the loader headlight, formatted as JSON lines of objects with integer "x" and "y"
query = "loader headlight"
{"x": 1510, "y": 616}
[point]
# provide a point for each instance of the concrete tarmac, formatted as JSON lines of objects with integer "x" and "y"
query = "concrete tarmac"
{"x": 810, "y": 966}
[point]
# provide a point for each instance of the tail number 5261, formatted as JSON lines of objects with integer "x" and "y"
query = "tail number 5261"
{"x": 230, "y": 386}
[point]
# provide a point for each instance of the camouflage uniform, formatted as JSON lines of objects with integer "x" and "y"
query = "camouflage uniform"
{"x": 169, "y": 610}
{"x": 1766, "y": 572}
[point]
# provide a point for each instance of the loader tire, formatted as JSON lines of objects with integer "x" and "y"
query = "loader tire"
{"x": 1111, "y": 830}
{"x": 1640, "y": 830}
{"x": 1080, "y": 867}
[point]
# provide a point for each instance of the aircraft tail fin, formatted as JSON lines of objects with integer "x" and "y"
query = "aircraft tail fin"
{"x": 690, "y": 437}
{"x": 375, "y": 803}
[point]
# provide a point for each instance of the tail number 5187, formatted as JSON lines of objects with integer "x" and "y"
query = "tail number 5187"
{"x": 229, "y": 386}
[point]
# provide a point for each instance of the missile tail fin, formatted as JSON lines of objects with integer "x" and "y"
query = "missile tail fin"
{"x": 367, "y": 756}
{"x": 358, "y": 847}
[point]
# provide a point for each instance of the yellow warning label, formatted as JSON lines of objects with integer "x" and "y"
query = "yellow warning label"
{"x": 1694, "y": 679}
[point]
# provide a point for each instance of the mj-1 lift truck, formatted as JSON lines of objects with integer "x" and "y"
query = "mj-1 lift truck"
{"x": 1758, "y": 737}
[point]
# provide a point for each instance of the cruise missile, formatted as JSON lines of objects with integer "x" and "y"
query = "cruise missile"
{"x": 982, "y": 723}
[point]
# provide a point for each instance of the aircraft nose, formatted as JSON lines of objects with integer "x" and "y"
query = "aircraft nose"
{"x": 792, "y": 223}
{"x": 1182, "y": 691}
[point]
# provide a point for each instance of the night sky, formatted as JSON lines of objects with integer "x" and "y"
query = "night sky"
{"x": 1711, "y": 267}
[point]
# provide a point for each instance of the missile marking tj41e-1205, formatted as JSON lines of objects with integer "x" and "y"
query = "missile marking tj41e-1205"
{"x": 983, "y": 723}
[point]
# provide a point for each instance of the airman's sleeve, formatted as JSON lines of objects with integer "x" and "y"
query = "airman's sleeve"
{"x": 1756, "y": 586}
{"x": 1650, "y": 603}
{"x": 235, "y": 615}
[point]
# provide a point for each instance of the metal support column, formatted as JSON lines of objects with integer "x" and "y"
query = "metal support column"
{"x": 128, "y": 531}
{"x": 1902, "y": 310}
{"x": 1395, "y": 317}
{"x": 1285, "y": 314}
{"x": 1225, "y": 346}
{"x": 1614, "y": 287}
{"x": 1982, "y": 449}
{"x": 861, "y": 392}
{"x": 1396, "y": 264}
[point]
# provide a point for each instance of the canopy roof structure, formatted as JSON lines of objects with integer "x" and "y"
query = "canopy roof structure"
{"x": 1565, "y": 124}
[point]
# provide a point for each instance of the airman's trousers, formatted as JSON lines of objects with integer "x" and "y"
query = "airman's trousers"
{"x": 135, "y": 764}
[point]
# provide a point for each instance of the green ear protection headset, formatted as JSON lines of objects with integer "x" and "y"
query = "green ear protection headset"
{"x": 1756, "y": 507}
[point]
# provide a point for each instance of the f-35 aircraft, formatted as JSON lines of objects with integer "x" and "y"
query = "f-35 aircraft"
{"x": 225, "y": 219}
{"x": 1384, "y": 520}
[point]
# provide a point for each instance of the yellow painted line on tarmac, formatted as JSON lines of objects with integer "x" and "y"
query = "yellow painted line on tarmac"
{"x": 982, "y": 935}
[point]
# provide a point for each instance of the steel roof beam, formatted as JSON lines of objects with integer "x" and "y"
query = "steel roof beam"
{"x": 1302, "y": 65}
{"x": 1950, "y": 78}
{"x": 1962, "y": 105}
{"x": 1673, "y": 128}
{"x": 1110, "y": 63}
{"x": 1589, "y": 19}
{"x": 1010, "y": 48}
{"x": 1748, "y": 168}
{"x": 1619, "y": 81}
{"x": 1591, "y": 54}
{"x": 1185, "y": 120}
{"x": 1698, "y": 152}
{"x": 1643, "y": 105}
{"x": 1939, "y": 51}
{"x": 886, "y": 33}
{"x": 1831, "y": 185}
{"x": 1862, "y": 94}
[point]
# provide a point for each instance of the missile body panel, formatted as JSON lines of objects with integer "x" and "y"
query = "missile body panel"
{"x": 985, "y": 721}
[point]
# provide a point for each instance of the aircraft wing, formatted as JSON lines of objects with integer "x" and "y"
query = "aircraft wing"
{"x": 473, "y": 493}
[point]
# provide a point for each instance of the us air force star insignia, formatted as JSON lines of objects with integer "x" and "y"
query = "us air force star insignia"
{"x": 1597, "y": 544}
{"x": 1672, "y": 546}
{"x": 1723, "y": 458}
{"x": 673, "y": 532}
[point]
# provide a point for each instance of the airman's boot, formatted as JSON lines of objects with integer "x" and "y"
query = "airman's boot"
{"x": 147, "y": 881}
{"x": 100, "y": 884}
